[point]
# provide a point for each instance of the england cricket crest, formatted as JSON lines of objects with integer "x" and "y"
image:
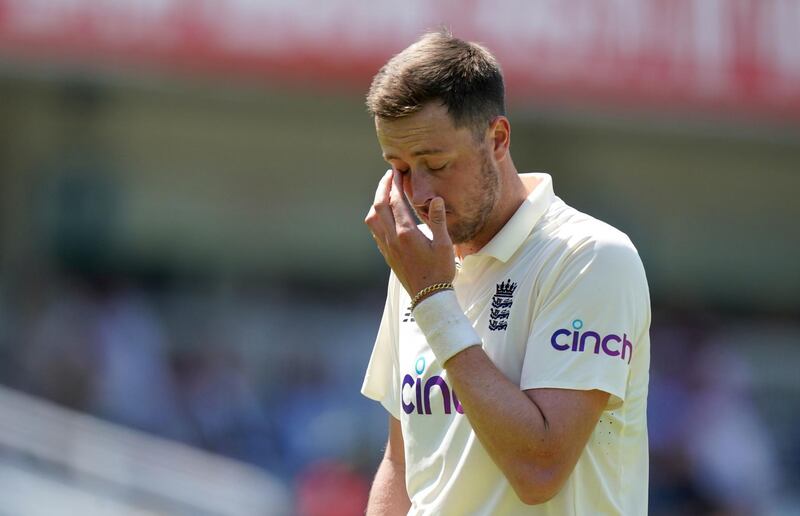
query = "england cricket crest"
{"x": 501, "y": 306}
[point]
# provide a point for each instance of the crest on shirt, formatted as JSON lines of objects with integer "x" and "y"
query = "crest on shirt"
{"x": 408, "y": 316}
{"x": 501, "y": 306}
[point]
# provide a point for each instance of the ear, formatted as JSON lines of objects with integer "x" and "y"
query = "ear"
{"x": 500, "y": 137}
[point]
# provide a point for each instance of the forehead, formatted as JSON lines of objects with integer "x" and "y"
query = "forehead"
{"x": 430, "y": 127}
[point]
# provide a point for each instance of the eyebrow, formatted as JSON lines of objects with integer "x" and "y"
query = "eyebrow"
{"x": 416, "y": 154}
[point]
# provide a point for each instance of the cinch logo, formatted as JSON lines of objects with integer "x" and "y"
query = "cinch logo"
{"x": 611, "y": 344}
{"x": 421, "y": 393}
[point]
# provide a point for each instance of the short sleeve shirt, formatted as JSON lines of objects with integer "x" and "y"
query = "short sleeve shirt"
{"x": 560, "y": 300}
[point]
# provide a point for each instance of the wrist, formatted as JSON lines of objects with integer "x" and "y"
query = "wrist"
{"x": 446, "y": 328}
{"x": 429, "y": 291}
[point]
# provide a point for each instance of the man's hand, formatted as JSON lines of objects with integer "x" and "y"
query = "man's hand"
{"x": 417, "y": 261}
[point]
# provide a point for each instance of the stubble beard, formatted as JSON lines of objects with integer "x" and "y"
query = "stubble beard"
{"x": 472, "y": 224}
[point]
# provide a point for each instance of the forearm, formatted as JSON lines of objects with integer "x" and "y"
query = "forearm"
{"x": 388, "y": 495}
{"x": 506, "y": 421}
{"x": 509, "y": 425}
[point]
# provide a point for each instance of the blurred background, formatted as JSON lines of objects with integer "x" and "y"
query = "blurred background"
{"x": 188, "y": 296}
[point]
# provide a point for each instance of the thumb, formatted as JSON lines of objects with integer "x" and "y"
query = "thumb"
{"x": 438, "y": 220}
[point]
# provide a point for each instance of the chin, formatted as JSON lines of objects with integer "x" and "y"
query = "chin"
{"x": 458, "y": 235}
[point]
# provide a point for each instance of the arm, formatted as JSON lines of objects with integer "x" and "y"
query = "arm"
{"x": 388, "y": 495}
{"x": 535, "y": 437}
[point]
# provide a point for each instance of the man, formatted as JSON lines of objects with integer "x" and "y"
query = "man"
{"x": 513, "y": 352}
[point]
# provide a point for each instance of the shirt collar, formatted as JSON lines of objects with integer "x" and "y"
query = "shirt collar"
{"x": 511, "y": 236}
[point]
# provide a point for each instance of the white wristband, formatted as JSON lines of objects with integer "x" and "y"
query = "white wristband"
{"x": 444, "y": 325}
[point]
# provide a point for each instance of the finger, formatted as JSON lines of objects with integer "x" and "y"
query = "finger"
{"x": 376, "y": 229}
{"x": 382, "y": 206}
{"x": 382, "y": 193}
{"x": 437, "y": 221}
{"x": 374, "y": 223}
{"x": 400, "y": 210}
{"x": 380, "y": 244}
{"x": 379, "y": 235}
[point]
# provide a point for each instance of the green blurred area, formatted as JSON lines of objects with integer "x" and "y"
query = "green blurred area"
{"x": 236, "y": 180}
{"x": 187, "y": 257}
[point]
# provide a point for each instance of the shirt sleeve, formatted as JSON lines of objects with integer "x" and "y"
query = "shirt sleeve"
{"x": 381, "y": 381}
{"x": 590, "y": 320}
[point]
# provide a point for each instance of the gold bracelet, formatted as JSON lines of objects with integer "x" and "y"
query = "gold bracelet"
{"x": 427, "y": 291}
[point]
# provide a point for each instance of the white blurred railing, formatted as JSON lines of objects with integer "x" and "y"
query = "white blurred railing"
{"x": 54, "y": 461}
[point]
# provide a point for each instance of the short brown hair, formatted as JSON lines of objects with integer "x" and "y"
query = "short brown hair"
{"x": 463, "y": 76}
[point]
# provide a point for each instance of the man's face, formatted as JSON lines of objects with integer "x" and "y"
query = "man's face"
{"x": 436, "y": 159}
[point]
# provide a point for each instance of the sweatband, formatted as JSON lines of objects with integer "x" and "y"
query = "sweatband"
{"x": 446, "y": 328}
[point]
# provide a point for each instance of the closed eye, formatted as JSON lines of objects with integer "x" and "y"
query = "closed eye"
{"x": 434, "y": 169}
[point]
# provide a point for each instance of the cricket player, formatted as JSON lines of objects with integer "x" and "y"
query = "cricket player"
{"x": 513, "y": 352}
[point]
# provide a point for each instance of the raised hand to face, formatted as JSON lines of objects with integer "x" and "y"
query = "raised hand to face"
{"x": 416, "y": 260}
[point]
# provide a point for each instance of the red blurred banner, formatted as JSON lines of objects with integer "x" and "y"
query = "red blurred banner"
{"x": 741, "y": 56}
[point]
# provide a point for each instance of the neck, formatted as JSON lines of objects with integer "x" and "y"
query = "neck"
{"x": 511, "y": 194}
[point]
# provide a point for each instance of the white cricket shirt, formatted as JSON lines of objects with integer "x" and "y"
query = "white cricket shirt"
{"x": 560, "y": 300}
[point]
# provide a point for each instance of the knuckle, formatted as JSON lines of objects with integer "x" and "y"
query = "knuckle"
{"x": 405, "y": 234}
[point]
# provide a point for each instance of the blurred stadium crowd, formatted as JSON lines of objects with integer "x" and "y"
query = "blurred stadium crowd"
{"x": 230, "y": 370}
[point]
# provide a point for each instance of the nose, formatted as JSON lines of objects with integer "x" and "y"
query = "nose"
{"x": 419, "y": 189}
